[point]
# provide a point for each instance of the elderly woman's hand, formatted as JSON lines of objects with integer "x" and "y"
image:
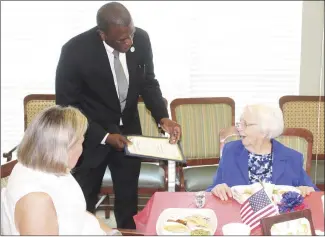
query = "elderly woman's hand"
{"x": 306, "y": 190}
{"x": 222, "y": 191}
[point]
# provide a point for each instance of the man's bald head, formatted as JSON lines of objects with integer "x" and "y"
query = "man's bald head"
{"x": 113, "y": 13}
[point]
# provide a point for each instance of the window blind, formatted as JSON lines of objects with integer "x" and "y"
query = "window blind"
{"x": 249, "y": 51}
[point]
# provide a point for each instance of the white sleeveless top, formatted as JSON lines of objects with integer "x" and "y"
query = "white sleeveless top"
{"x": 66, "y": 194}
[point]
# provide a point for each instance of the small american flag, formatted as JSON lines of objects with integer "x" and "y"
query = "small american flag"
{"x": 257, "y": 207}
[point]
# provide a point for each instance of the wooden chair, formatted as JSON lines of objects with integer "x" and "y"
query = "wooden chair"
{"x": 201, "y": 120}
{"x": 6, "y": 171}
{"x": 33, "y": 105}
{"x": 308, "y": 112}
{"x": 299, "y": 139}
{"x": 153, "y": 175}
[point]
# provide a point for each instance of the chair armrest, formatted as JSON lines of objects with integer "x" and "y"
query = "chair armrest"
{"x": 131, "y": 232}
{"x": 164, "y": 164}
{"x": 179, "y": 164}
{"x": 7, "y": 168}
{"x": 8, "y": 155}
{"x": 180, "y": 173}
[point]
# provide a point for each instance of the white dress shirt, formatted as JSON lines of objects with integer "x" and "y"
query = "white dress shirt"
{"x": 122, "y": 56}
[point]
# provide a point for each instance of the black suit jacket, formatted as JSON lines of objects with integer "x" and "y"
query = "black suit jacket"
{"x": 84, "y": 80}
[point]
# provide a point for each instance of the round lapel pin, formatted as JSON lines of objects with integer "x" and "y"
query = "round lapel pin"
{"x": 132, "y": 49}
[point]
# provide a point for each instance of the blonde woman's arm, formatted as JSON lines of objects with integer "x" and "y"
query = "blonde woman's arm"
{"x": 35, "y": 214}
{"x": 108, "y": 230}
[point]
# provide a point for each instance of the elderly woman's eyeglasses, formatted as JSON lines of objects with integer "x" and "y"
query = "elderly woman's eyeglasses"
{"x": 244, "y": 125}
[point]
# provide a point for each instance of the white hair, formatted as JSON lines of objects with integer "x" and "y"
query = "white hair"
{"x": 269, "y": 119}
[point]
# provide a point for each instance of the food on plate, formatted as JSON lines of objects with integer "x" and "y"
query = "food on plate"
{"x": 183, "y": 222}
{"x": 197, "y": 221}
{"x": 200, "y": 232}
{"x": 248, "y": 191}
{"x": 279, "y": 191}
{"x": 189, "y": 225}
{"x": 175, "y": 227}
{"x": 242, "y": 192}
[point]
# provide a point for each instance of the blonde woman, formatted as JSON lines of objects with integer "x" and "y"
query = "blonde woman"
{"x": 42, "y": 197}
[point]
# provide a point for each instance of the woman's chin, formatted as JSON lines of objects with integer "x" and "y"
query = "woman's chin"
{"x": 245, "y": 141}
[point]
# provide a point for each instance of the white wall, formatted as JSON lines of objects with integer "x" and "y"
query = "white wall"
{"x": 312, "y": 53}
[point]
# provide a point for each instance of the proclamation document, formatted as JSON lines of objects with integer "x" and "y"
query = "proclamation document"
{"x": 154, "y": 148}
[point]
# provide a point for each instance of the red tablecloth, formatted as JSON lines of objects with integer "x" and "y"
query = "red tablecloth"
{"x": 226, "y": 211}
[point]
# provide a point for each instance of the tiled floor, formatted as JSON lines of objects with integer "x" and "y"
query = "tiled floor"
{"x": 110, "y": 222}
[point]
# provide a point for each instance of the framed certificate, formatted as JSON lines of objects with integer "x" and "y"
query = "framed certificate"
{"x": 157, "y": 148}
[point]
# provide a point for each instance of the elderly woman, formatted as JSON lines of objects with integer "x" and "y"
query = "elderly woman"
{"x": 258, "y": 156}
{"x": 42, "y": 197}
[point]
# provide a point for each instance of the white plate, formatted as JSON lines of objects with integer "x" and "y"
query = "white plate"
{"x": 240, "y": 196}
{"x": 282, "y": 188}
{"x": 181, "y": 213}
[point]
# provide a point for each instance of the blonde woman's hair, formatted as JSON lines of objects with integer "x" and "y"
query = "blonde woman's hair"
{"x": 269, "y": 119}
{"x": 49, "y": 137}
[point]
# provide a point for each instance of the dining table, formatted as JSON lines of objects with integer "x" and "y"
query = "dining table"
{"x": 226, "y": 211}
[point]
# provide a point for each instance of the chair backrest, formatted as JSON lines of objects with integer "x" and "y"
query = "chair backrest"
{"x": 299, "y": 139}
{"x": 34, "y": 104}
{"x": 201, "y": 120}
{"x": 306, "y": 112}
{"x": 149, "y": 126}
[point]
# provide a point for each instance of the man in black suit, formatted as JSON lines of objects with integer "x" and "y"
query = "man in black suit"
{"x": 102, "y": 72}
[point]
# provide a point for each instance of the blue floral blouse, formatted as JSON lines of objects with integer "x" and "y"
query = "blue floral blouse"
{"x": 260, "y": 168}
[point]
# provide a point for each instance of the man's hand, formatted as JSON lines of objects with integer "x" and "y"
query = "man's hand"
{"x": 172, "y": 128}
{"x": 117, "y": 141}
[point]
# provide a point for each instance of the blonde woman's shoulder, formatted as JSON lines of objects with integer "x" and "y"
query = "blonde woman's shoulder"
{"x": 35, "y": 214}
